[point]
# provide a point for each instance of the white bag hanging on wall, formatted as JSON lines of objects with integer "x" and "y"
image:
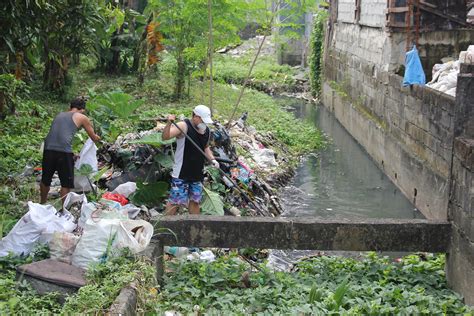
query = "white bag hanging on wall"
{"x": 87, "y": 156}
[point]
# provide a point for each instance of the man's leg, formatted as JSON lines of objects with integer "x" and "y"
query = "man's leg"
{"x": 171, "y": 209}
{"x": 195, "y": 195}
{"x": 178, "y": 196}
{"x": 66, "y": 174}
{"x": 44, "y": 190}
{"x": 194, "y": 208}
{"x": 48, "y": 168}
{"x": 63, "y": 192}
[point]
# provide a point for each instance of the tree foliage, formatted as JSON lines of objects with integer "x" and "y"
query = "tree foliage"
{"x": 48, "y": 31}
{"x": 184, "y": 25}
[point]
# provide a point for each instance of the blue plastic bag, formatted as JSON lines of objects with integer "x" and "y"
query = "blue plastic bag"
{"x": 414, "y": 73}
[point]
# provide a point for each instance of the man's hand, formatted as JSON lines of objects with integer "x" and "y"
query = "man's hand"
{"x": 96, "y": 138}
{"x": 215, "y": 163}
{"x": 171, "y": 118}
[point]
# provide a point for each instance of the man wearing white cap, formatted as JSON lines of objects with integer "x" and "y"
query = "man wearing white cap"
{"x": 187, "y": 176}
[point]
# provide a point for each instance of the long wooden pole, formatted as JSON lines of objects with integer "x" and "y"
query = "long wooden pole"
{"x": 210, "y": 52}
{"x": 251, "y": 67}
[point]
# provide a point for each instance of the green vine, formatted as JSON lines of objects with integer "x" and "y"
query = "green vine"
{"x": 317, "y": 49}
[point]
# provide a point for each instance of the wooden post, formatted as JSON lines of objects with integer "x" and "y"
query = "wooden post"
{"x": 159, "y": 261}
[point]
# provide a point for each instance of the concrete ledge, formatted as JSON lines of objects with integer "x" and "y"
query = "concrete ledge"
{"x": 126, "y": 303}
{"x": 306, "y": 233}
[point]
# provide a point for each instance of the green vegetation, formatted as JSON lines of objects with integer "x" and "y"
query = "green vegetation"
{"x": 18, "y": 297}
{"x": 114, "y": 54}
{"x": 319, "y": 285}
{"x": 317, "y": 51}
{"x": 267, "y": 76}
{"x": 104, "y": 282}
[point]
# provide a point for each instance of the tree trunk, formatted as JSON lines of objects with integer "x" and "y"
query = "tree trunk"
{"x": 114, "y": 64}
{"x": 180, "y": 76}
{"x": 54, "y": 75}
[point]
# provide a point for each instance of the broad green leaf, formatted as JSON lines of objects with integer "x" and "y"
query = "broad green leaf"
{"x": 154, "y": 140}
{"x": 212, "y": 203}
{"x": 84, "y": 170}
{"x": 315, "y": 295}
{"x": 164, "y": 160}
{"x": 340, "y": 292}
{"x": 150, "y": 194}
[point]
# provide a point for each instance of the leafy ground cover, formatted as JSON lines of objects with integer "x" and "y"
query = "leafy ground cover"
{"x": 319, "y": 286}
{"x": 20, "y": 139}
{"x": 267, "y": 75}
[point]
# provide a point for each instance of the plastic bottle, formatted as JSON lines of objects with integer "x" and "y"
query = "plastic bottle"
{"x": 178, "y": 252}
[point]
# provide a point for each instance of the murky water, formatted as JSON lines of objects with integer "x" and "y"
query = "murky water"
{"x": 340, "y": 181}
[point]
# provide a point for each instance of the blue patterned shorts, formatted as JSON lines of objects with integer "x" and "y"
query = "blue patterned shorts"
{"x": 183, "y": 191}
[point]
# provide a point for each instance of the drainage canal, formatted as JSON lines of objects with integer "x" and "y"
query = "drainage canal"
{"x": 339, "y": 181}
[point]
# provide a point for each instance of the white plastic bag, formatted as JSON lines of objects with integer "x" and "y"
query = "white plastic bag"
{"x": 86, "y": 212}
{"x": 87, "y": 156}
{"x": 62, "y": 245}
{"x": 40, "y": 219}
{"x": 115, "y": 233}
{"x": 126, "y": 189}
{"x": 62, "y": 222}
{"x": 72, "y": 198}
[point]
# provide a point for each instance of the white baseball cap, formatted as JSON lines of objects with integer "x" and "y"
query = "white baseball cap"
{"x": 204, "y": 112}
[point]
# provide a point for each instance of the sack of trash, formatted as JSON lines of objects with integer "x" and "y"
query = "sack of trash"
{"x": 62, "y": 246}
{"x": 87, "y": 158}
{"x": 40, "y": 219}
{"x": 102, "y": 237}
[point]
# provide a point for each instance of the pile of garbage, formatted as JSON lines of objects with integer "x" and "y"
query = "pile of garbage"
{"x": 135, "y": 172}
{"x": 445, "y": 75}
{"x": 82, "y": 232}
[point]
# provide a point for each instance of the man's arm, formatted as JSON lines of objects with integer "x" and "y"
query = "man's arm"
{"x": 86, "y": 123}
{"x": 170, "y": 130}
{"x": 210, "y": 156}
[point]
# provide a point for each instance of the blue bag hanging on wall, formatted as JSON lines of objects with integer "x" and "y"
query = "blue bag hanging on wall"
{"x": 414, "y": 73}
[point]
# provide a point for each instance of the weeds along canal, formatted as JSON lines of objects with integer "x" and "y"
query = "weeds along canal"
{"x": 339, "y": 181}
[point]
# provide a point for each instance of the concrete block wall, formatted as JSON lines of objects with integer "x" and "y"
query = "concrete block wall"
{"x": 365, "y": 43}
{"x": 460, "y": 260}
{"x": 372, "y": 13}
{"x": 345, "y": 11}
{"x": 408, "y": 131}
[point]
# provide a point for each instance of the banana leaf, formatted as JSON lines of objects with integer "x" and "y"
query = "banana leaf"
{"x": 150, "y": 194}
{"x": 153, "y": 140}
{"x": 164, "y": 160}
{"x": 212, "y": 203}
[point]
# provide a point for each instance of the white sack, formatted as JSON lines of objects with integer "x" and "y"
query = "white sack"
{"x": 126, "y": 189}
{"x": 62, "y": 222}
{"x": 72, "y": 198}
{"x": 92, "y": 246}
{"x": 88, "y": 155}
{"x": 62, "y": 245}
{"x": 27, "y": 231}
{"x": 265, "y": 158}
